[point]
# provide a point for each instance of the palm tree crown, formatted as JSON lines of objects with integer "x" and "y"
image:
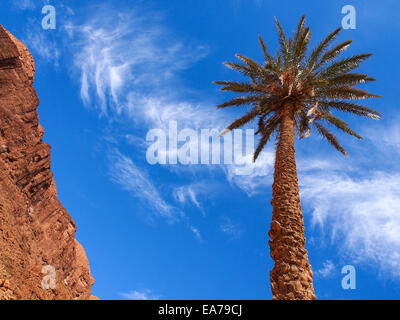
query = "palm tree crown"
{"x": 310, "y": 85}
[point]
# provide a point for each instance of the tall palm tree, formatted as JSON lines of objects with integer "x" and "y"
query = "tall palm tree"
{"x": 296, "y": 92}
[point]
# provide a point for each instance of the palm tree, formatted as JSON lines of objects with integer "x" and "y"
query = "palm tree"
{"x": 296, "y": 92}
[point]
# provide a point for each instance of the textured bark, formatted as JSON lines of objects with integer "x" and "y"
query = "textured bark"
{"x": 35, "y": 229}
{"x": 291, "y": 277}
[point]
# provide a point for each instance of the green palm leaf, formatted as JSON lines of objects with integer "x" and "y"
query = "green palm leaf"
{"x": 321, "y": 48}
{"x": 340, "y": 124}
{"x": 356, "y": 109}
{"x": 330, "y": 137}
{"x": 313, "y": 86}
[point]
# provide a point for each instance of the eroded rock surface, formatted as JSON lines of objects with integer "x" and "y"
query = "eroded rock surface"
{"x": 35, "y": 229}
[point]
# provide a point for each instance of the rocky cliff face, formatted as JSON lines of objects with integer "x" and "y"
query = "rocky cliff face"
{"x": 35, "y": 229}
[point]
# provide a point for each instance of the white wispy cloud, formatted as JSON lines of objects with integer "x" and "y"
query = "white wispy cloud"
{"x": 139, "y": 295}
{"x": 124, "y": 172}
{"x": 360, "y": 214}
{"x": 260, "y": 178}
{"x": 24, "y": 4}
{"x": 187, "y": 193}
{"x": 128, "y": 63}
{"x": 196, "y": 232}
{"x": 42, "y": 45}
{"x": 137, "y": 181}
{"x": 327, "y": 269}
{"x": 233, "y": 230}
{"x": 195, "y": 192}
{"x": 388, "y": 137}
{"x": 158, "y": 111}
{"x": 121, "y": 56}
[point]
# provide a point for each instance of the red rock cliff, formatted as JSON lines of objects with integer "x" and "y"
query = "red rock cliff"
{"x": 35, "y": 229}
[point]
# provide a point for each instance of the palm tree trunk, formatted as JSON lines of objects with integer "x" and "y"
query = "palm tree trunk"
{"x": 291, "y": 277}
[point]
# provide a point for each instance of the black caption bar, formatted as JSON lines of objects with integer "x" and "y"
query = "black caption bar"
{"x": 187, "y": 309}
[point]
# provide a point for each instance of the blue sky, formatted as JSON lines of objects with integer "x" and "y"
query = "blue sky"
{"x": 113, "y": 70}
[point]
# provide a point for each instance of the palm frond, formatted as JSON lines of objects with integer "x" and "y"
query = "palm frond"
{"x": 350, "y": 107}
{"x": 240, "y": 101}
{"x": 301, "y": 46}
{"x": 338, "y": 123}
{"x": 241, "y": 121}
{"x": 300, "y": 29}
{"x": 261, "y": 124}
{"x": 303, "y": 124}
{"x": 243, "y": 69}
{"x": 274, "y": 68}
{"x": 350, "y": 79}
{"x": 267, "y": 105}
{"x": 325, "y": 133}
{"x": 256, "y": 70}
{"x": 333, "y": 53}
{"x": 345, "y": 93}
{"x": 267, "y": 56}
{"x": 266, "y": 135}
{"x": 284, "y": 45}
{"x": 278, "y": 61}
{"x": 323, "y": 45}
{"x": 343, "y": 66}
{"x": 237, "y": 86}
